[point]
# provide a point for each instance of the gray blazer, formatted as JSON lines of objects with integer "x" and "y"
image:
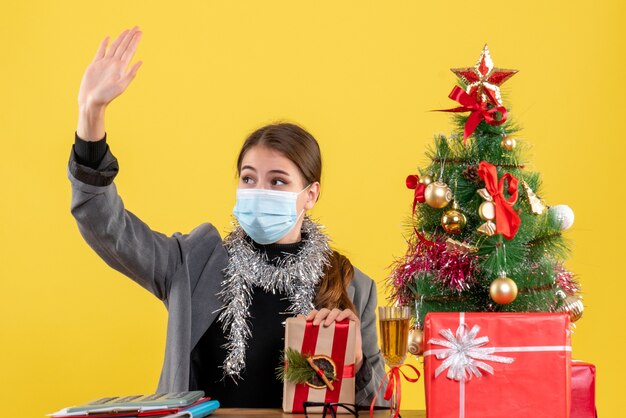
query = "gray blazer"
{"x": 185, "y": 271}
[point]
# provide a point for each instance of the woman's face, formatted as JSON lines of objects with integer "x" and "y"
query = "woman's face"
{"x": 265, "y": 168}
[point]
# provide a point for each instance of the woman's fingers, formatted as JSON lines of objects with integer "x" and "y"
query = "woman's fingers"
{"x": 101, "y": 49}
{"x": 332, "y": 317}
{"x": 128, "y": 54}
{"x": 111, "y": 51}
{"x": 320, "y": 316}
{"x": 329, "y": 316}
{"x": 121, "y": 49}
{"x": 130, "y": 75}
{"x": 347, "y": 314}
{"x": 133, "y": 71}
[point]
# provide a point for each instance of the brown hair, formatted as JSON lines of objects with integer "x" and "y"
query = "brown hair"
{"x": 332, "y": 292}
{"x": 299, "y": 146}
{"x": 294, "y": 142}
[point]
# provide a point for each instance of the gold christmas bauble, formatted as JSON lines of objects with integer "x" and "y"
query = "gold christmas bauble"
{"x": 573, "y": 305}
{"x": 503, "y": 290}
{"x": 487, "y": 211}
{"x": 508, "y": 143}
{"x": 426, "y": 180}
{"x": 438, "y": 195}
{"x": 416, "y": 342}
{"x": 453, "y": 221}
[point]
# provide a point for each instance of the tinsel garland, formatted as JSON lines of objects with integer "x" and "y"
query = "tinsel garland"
{"x": 565, "y": 280}
{"x": 455, "y": 270}
{"x": 295, "y": 275}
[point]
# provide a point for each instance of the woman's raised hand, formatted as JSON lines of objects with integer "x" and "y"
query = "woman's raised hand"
{"x": 106, "y": 77}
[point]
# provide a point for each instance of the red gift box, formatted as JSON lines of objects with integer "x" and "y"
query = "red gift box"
{"x": 336, "y": 341}
{"x": 583, "y": 390}
{"x": 494, "y": 365}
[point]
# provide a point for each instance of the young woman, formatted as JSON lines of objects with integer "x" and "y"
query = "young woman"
{"x": 226, "y": 298}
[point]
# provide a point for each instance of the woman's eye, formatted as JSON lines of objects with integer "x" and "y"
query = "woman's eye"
{"x": 247, "y": 180}
{"x": 278, "y": 182}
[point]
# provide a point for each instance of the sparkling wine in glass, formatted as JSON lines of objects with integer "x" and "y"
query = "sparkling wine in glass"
{"x": 394, "y": 335}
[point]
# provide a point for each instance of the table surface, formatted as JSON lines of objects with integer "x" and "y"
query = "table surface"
{"x": 244, "y": 413}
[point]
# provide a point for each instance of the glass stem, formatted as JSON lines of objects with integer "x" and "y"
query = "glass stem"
{"x": 394, "y": 403}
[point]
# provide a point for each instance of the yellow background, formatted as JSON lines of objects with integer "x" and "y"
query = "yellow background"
{"x": 361, "y": 76}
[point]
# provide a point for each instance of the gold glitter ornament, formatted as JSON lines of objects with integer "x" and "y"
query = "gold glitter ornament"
{"x": 438, "y": 195}
{"x": 416, "y": 342}
{"x": 508, "y": 143}
{"x": 536, "y": 206}
{"x": 461, "y": 247}
{"x": 503, "y": 290}
{"x": 453, "y": 220}
{"x": 426, "y": 180}
{"x": 573, "y": 305}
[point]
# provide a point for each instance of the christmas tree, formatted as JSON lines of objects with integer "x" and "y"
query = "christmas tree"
{"x": 481, "y": 237}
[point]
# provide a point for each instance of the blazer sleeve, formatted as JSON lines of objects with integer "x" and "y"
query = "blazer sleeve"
{"x": 121, "y": 239}
{"x": 372, "y": 372}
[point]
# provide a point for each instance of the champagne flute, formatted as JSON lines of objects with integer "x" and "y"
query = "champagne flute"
{"x": 394, "y": 334}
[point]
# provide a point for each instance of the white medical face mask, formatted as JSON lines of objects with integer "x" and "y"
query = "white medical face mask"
{"x": 267, "y": 215}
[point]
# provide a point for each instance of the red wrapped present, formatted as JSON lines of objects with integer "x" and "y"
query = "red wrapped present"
{"x": 494, "y": 365}
{"x": 332, "y": 349}
{"x": 583, "y": 390}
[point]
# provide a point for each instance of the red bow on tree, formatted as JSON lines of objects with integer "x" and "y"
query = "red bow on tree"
{"x": 413, "y": 183}
{"x": 480, "y": 111}
{"x": 507, "y": 219}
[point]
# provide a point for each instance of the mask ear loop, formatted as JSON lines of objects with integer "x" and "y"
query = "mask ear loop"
{"x": 303, "y": 190}
{"x": 310, "y": 184}
{"x": 302, "y": 212}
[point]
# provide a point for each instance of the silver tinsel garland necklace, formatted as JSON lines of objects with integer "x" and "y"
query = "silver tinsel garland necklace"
{"x": 295, "y": 275}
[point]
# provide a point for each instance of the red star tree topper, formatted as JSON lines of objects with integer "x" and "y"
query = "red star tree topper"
{"x": 483, "y": 79}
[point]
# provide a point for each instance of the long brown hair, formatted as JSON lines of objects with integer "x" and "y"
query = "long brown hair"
{"x": 299, "y": 146}
{"x": 332, "y": 292}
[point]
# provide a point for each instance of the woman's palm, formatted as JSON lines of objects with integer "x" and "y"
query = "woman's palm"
{"x": 107, "y": 76}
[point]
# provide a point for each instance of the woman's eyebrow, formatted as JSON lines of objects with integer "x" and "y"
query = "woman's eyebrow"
{"x": 275, "y": 171}
{"x": 279, "y": 172}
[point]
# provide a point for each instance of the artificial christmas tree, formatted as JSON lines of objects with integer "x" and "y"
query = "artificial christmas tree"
{"x": 482, "y": 238}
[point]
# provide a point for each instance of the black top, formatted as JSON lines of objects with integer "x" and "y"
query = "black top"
{"x": 259, "y": 388}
